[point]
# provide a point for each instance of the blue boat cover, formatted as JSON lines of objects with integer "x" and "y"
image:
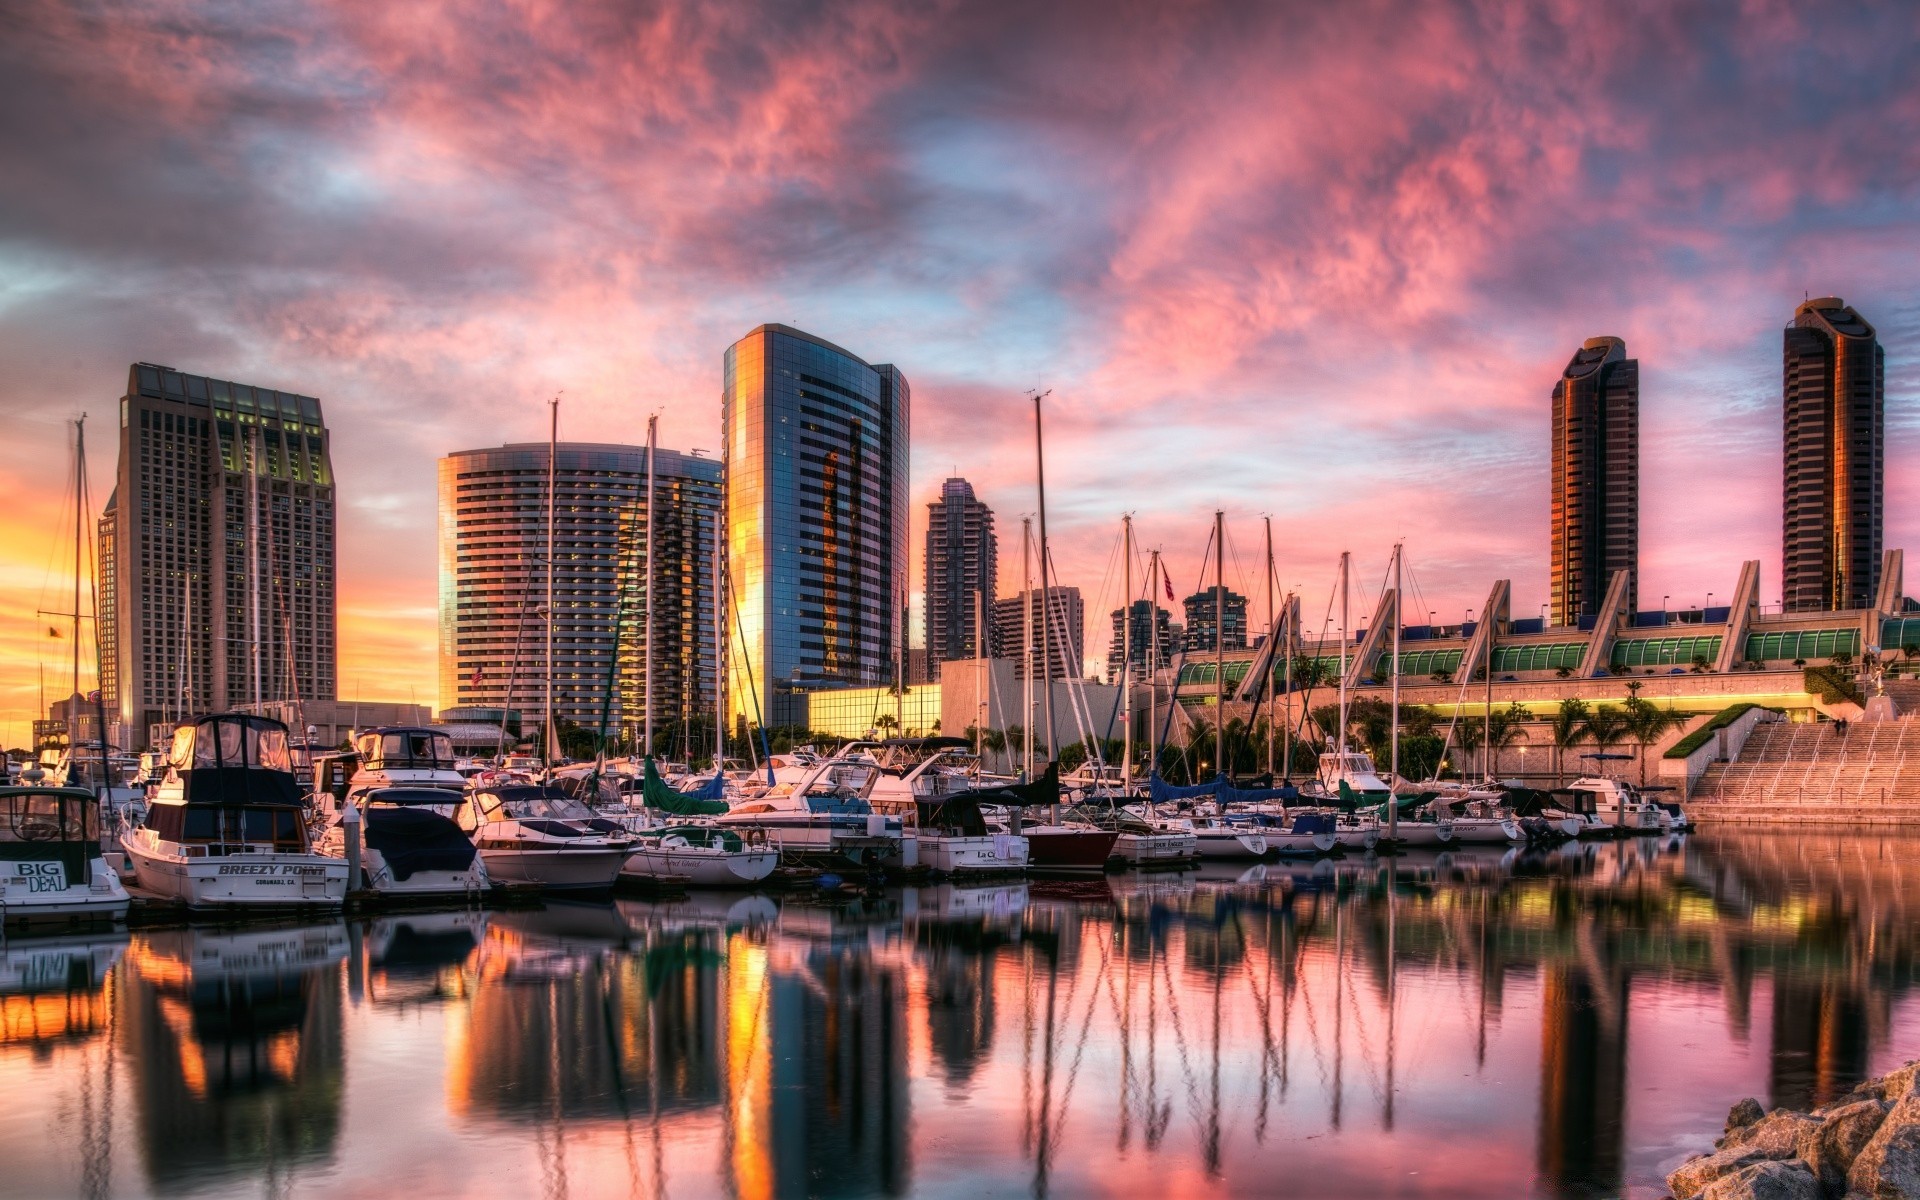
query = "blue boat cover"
{"x": 853, "y": 805}
{"x": 1314, "y": 822}
{"x": 1162, "y": 791}
{"x": 414, "y": 839}
{"x": 1233, "y": 795}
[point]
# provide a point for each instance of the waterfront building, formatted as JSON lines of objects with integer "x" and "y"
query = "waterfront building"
{"x": 216, "y": 549}
{"x": 1596, "y": 479}
{"x": 493, "y": 585}
{"x": 1205, "y": 613}
{"x": 1150, "y": 640}
{"x": 816, "y": 516}
{"x": 961, "y": 574}
{"x": 1068, "y": 635}
{"x": 1834, "y": 401}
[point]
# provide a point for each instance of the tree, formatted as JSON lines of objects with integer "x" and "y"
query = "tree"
{"x": 1568, "y": 725}
{"x": 1646, "y": 722}
{"x": 1607, "y": 726}
{"x": 1504, "y": 728}
{"x": 1699, "y": 664}
{"x": 1468, "y": 733}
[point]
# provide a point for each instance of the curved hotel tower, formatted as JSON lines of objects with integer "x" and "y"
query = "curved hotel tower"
{"x": 816, "y": 503}
{"x": 1834, "y": 389}
{"x": 1596, "y": 479}
{"x": 493, "y": 584}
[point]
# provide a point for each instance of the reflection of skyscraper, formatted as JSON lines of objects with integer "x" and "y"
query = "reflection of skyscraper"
{"x": 816, "y": 501}
{"x": 1834, "y": 403}
{"x": 236, "y": 1041}
{"x": 1820, "y": 1041}
{"x": 1583, "y": 1081}
{"x": 962, "y": 570}
{"x": 1596, "y": 477}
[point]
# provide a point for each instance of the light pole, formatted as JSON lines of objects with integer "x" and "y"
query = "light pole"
{"x": 1666, "y": 606}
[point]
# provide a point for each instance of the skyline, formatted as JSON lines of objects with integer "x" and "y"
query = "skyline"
{"x": 432, "y": 227}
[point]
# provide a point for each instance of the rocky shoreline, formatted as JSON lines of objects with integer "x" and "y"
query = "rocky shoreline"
{"x": 1863, "y": 1146}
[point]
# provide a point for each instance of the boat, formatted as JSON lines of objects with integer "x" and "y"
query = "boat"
{"x": 1302, "y": 834}
{"x": 227, "y": 828}
{"x": 113, "y": 777}
{"x": 51, "y": 867}
{"x": 1137, "y": 842}
{"x": 954, "y": 839}
{"x": 532, "y": 833}
{"x": 1214, "y": 839}
{"x": 1615, "y": 808}
{"x": 1477, "y": 817}
{"x": 409, "y": 797}
{"x": 701, "y": 856}
{"x": 825, "y": 820}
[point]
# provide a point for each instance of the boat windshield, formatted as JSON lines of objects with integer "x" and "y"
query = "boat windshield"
{"x": 411, "y": 797}
{"x": 43, "y": 815}
{"x": 407, "y": 747}
{"x": 232, "y": 741}
{"x": 533, "y": 803}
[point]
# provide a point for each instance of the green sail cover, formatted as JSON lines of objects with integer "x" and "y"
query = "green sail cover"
{"x": 664, "y": 798}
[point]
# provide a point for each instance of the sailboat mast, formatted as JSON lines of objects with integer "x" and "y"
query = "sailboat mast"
{"x": 1264, "y": 689}
{"x": 552, "y": 740}
{"x": 1026, "y": 645}
{"x": 1155, "y": 573}
{"x": 1340, "y": 735}
{"x": 79, "y": 457}
{"x": 1126, "y": 654}
{"x": 1393, "y": 734}
{"x": 653, "y": 424}
{"x": 719, "y": 649}
{"x": 1220, "y": 641}
{"x": 1286, "y": 679}
{"x": 1046, "y": 619}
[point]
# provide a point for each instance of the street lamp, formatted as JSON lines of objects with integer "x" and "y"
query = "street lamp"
{"x": 1666, "y": 605}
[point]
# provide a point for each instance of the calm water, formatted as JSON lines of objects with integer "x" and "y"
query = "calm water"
{"x": 1461, "y": 1025}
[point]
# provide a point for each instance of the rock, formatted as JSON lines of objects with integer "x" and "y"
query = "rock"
{"x": 1774, "y": 1135}
{"x": 1830, "y": 1147}
{"x": 1888, "y": 1167}
{"x": 1744, "y": 1114}
{"x": 1771, "y": 1180}
{"x": 1895, "y": 1085}
{"x": 1691, "y": 1178}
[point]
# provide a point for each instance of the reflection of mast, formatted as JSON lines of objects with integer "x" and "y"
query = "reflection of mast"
{"x": 1392, "y": 993}
{"x": 1339, "y": 983}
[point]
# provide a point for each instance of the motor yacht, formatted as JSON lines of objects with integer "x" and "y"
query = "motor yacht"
{"x": 409, "y": 795}
{"x": 530, "y": 833}
{"x": 51, "y": 867}
{"x": 701, "y": 856}
{"x": 1616, "y": 808}
{"x": 825, "y": 818}
{"x": 227, "y": 827}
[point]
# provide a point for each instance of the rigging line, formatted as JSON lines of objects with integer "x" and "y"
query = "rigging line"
{"x": 1241, "y": 575}
{"x": 1079, "y": 1050}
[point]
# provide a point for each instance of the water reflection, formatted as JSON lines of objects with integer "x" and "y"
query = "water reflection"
{"x": 1471, "y": 1023}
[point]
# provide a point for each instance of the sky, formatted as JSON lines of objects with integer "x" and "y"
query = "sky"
{"x": 1321, "y": 262}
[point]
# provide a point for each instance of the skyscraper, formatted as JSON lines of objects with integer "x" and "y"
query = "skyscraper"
{"x": 493, "y": 585}
{"x": 1150, "y": 640}
{"x": 962, "y": 570}
{"x": 217, "y": 547}
{"x": 1204, "y": 613}
{"x": 1835, "y": 399}
{"x": 1067, "y": 637}
{"x": 1596, "y": 478}
{"x": 816, "y": 504}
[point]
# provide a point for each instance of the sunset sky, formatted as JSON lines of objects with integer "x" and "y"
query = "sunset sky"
{"x": 1323, "y": 261}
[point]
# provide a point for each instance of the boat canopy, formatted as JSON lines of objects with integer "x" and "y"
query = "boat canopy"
{"x": 405, "y": 747}
{"x": 416, "y": 839}
{"x": 1164, "y": 792}
{"x": 705, "y": 802}
{"x": 959, "y": 813}
{"x": 1039, "y": 793}
{"x": 234, "y": 759}
{"x": 39, "y": 824}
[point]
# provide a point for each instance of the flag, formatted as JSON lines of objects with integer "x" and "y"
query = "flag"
{"x": 52, "y": 632}
{"x": 478, "y": 673}
{"x": 1167, "y": 580}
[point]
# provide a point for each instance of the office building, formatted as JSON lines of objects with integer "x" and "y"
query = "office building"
{"x": 816, "y": 515}
{"x": 1150, "y": 640}
{"x": 1834, "y": 388}
{"x": 1596, "y": 479}
{"x": 1205, "y": 613}
{"x": 493, "y": 587}
{"x": 217, "y": 550}
{"x": 1068, "y": 633}
{"x": 961, "y": 574}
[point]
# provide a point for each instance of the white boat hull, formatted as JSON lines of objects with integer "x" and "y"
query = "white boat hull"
{"x": 593, "y": 869}
{"x": 701, "y": 866}
{"x": 1486, "y": 831}
{"x": 1225, "y": 845}
{"x": 974, "y": 855}
{"x": 30, "y": 893}
{"x": 1419, "y": 833}
{"x": 1148, "y": 849}
{"x": 380, "y": 878}
{"x": 249, "y": 879}
{"x": 1298, "y": 845}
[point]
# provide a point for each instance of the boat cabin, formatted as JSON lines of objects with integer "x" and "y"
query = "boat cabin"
{"x": 405, "y": 749}
{"x": 230, "y": 783}
{"x": 47, "y": 837}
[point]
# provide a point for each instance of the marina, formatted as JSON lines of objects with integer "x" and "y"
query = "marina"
{"x": 1483, "y": 1021}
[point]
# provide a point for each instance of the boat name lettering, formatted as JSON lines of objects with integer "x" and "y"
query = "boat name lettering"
{"x": 43, "y": 876}
{"x": 271, "y": 869}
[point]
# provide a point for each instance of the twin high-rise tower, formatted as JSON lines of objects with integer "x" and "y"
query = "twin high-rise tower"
{"x": 1833, "y": 392}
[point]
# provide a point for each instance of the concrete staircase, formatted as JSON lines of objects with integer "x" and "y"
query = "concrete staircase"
{"x": 1815, "y": 773}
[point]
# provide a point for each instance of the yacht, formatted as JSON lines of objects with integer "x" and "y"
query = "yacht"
{"x": 1477, "y": 816}
{"x": 825, "y": 818}
{"x": 51, "y": 867}
{"x": 227, "y": 827}
{"x": 116, "y": 781}
{"x": 1304, "y": 833}
{"x": 1138, "y": 843}
{"x": 530, "y": 833}
{"x": 701, "y": 856}
{"x": 954, "y": 839}
{"x": 1617, "y": 808}
{"x": 409, "y": 795}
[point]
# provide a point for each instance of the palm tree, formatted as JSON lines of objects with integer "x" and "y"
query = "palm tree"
{"x": 1504, "y": 728}
{"x": 1569, "y": 725}
{"x": 1645, "y": 723}
{"x": 1607, "y": 726}
{"x": 1468, "y": 733}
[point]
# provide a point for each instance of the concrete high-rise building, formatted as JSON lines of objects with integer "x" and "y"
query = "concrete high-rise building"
{"x": 1596, "y": 479}
{"x": 1150, "y": 640}
{"x": 1204, "y": 613}
{"x": 961, "y": 575}
{"x": 217, "y": 550}
{"x": 493, "y": 586}
{"x": 816, "y": 504}
{"x": 1835, "y": 400}
{"x": 1068, "y": 633}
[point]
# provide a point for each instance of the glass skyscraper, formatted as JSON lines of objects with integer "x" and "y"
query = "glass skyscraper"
{"x": 1834, "y": 392}
{"x": 816, "y": 504}
{"x": 1596, "y": 479}
{"x": 493, "y": 586}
